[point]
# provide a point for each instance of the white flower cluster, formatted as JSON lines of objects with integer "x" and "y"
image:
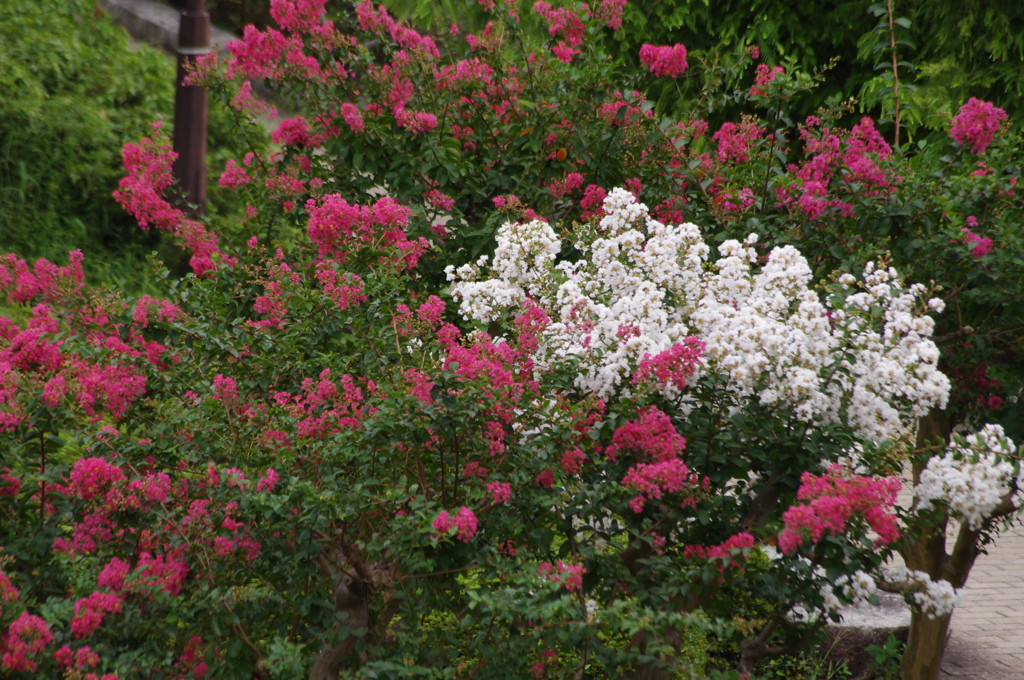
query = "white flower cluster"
{"x": 640, "y": 287}
{"x": 971, "y": 477}
{"x": 858, "y": 588}
{"x": 933, "y": 598}
{"x": 894, "y": 364}
{"x": 852, "y": 462}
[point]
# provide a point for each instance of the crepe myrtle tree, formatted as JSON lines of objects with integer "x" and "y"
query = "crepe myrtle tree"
{"x": 359, "y": 442}
{"x": 284, "y": 471}
{"x": 620, "y": 311}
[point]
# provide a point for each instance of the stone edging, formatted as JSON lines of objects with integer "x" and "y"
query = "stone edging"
{"x": 156, "y": 23}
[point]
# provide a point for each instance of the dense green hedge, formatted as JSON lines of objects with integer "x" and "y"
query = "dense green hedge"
{"x": 73, "y": 90}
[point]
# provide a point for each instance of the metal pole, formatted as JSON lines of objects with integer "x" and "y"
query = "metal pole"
{"x": 191, "y": 106}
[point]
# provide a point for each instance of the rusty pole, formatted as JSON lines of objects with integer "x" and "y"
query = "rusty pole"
{"x": 191, "y": 105}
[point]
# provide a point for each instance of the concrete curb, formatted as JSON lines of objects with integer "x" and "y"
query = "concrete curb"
{"x": 157, "y": 24}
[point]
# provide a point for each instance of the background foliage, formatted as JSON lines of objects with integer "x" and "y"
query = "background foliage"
{"x": 73, "y": 91}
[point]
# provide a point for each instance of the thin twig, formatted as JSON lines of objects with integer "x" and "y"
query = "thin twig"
{"x": 895, "y": 76}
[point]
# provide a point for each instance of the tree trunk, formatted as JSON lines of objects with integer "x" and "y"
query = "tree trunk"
{"x": 927, "y": 641}
{"x": 352, "y": 598}
{"x": 923, "y": 656}
{"x": 653, "y": 670}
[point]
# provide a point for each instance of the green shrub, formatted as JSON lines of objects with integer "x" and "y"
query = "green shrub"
{"x": 73, "y": 91}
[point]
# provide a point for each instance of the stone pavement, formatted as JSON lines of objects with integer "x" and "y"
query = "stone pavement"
{"x": 987, "y": 630}
{"x": 156, "y": 23}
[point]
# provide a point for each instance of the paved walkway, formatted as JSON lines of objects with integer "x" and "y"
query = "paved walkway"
{"x": 987, "y": 629}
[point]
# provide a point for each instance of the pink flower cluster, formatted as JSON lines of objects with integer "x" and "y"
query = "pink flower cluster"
{"x": 673, "y": 367}
{"x": 270, "y": 54}
{"x": 651, "y": 480}
{"x": 654, "y": 440}
{"x": 346, "y": 289}
{"x": 353, "y": 117}
{"x": 166, "y": 311}
{"x": 160, "y": 563}
{"x": 420, "y": 386}
{"x": 268, "y": 481}
{"x": 982, "y": 245}
{"x": 294, "y": 132}
{"x": 724, "y": 551}
{"x": 431, "y": 311}
{"x": 9, "y": 484}
{"x": 609, "y": 13}
{"x": 834, "y": 498}
{"x": 82, "y": 660}
{"x": 339, "y": 228}
{"x": 568, "y": 575}
{"x": 854, "y": 158}
{"x": 90, "y": 611}
{"x": 562, "y": 21}
{"x": 492, "y": 364}
{"x": 468, "y": 72}
{"x": 148, "y": 168}
{"x": 529, "y": 326}
{"x": 564, "y": 53}
{"x": 113, "y": 575}
{"x": 26, "y": 637}
{"x": 52, "y": 283}
{"x": 191, "y": 660}
{"x": 415, "y": 121}
{"x": 651, "y": 436}
{"x": 106, "y": 388}
{"x": 464, "y": 522}
{"x": 593, "y": 202}
{"x": 93, "y": 477}
{"x": 745, "y": 199}
{"x": 31, "y": 350}
{"x": 487, "y": 39}
{"x": 570, "y": 182}
{"x": 666, "y": 60}
{"x": 224, "y": 389}
{"x": 323, "y": 408}
{"x": 168, "y": 573}
{"x": 439, "y": 200}
{"x": 762, "y": 77}
{"x": 976, "y": 124}
{"x": 297, "y": 15}
{"x": 379, "y": 21}
{"x": 734, "y": 140}
{"x": 572, "y": 461}
{"x": 501, "y": 492}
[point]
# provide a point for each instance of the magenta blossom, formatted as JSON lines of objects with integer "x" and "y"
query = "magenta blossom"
{"x": 982, "y": 245}
{"x": 664, "y": 60}
{"x": 464, "y": 521}
{"x": 976, "y": 124}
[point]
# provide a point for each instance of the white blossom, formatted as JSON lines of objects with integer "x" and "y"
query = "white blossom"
{"x": 857, "y": 589}
{"x": 933, "y": 598}
{"x": 864, "y": 357}
{"x": 971, "y": 477}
